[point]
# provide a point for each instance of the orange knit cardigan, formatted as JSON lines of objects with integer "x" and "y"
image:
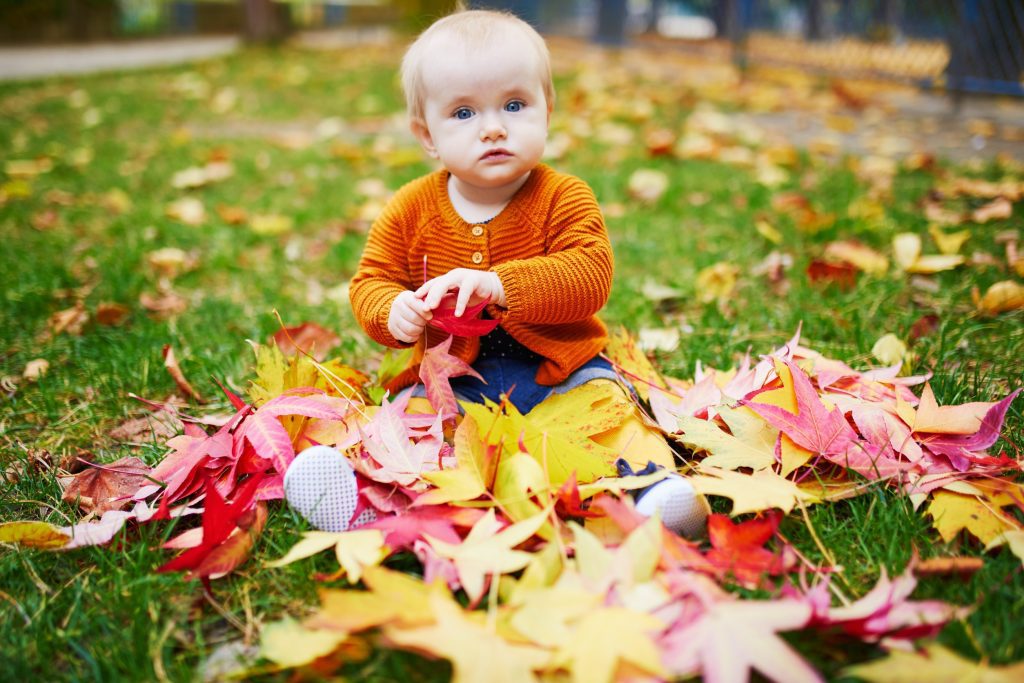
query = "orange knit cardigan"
{"x": 549, "y": 247}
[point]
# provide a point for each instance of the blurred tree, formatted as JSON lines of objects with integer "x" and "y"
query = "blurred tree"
{"x": 262, "y": 22}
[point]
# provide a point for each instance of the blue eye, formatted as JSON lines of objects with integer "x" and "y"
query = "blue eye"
{"x": 514, "y": 106}
{"x": 462, "y": 113}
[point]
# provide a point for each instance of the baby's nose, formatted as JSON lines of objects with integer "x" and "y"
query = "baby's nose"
{"x": 491, "y": 128}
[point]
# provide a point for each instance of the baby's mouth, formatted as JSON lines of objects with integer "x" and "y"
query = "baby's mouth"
{"x": 496, "y": 154}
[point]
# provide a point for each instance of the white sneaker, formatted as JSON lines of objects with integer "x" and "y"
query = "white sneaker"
{"x": 321, "y": 486}
{"x": 678, "y": 505}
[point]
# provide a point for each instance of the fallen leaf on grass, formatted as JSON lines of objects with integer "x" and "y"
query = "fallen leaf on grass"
{"x": 198, "y": 176}
{"x": 1001, "y": 297}
{"x": 34, "y": 369}
{"x": 844, "y": 275}
{"x": 164, "y": 305}
{"x": 106, "y": 487}
{"x": 737, "y": 550}
{"x": 477, "y": 653}
{"x": 33, "y": 534}
{"x": 945, "y": 566}
{"x": 111, "y": 313}
{"x": 954, "y": 512}
{"x": 907, "y": 251}
{"x": 935, "y": 663}
{"x": 232, "y": 215}
{"x": 305, "y": 338}
{"x": 171, "y": 363}
{"x": 859, "y": 255}
{"x": 188, "y": 210}
{"x": 647, "y": 185}
{"x": 732, "y": 637}
{"x": 998, "y": 209}
{"x": 270, "y": 224}
{"x": 288, "y": 643}
{"x": 608, "y": 636}
{"x": 355, "y": 550}
{"x": 762, "y": 490}
{"x": 717, "y": 282}
{"x": 69, "y": 321}
{"x": 948, "y": 242}
{"x": 889, "y": 349}
{"x": 487, "y": 552}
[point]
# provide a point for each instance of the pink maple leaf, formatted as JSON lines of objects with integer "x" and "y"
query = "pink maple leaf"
{"x": 269, "y": 437}
{"x": 466, "y": 325}
{"x": 960, "y": 449}
{"x": 730, "y": 637}
{"x": 439, "y": 521}
{"x": 815, "y": 427}
{"x": 436, "y": 369}
{"x": 401, "y": 461}
{"x": 886, "y": 611}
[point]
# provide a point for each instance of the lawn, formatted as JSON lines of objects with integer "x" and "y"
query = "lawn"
{"x": 112, "y": 253}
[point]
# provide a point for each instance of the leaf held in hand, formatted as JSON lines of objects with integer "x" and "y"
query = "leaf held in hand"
{"x": 465, "y": 325}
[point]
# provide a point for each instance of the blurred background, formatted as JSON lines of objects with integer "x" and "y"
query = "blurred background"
{"x": 961, "y": 46}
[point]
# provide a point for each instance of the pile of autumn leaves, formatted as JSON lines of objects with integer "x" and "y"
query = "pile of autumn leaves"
{"x": 525, "y": 516}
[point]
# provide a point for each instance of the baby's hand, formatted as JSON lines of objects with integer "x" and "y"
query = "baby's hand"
{"x": 408, "y": 316}
{"x": 472, "y": 286}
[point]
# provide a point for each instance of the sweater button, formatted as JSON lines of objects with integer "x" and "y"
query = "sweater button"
{"x": 478, "y": 230}
{"x": 477, "y": 257}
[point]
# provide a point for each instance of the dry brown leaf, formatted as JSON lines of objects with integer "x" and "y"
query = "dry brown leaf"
{"x": 232, "y": 215}
{"x": 163, "y": 305}
{"x": 35, "y": 369}
{"x": 859, "y": 255}
{"x": 943, "y": 566}
{"x": 171, "y": 363}
{"x": 159, "y": 425}
{"x": 306, "y": 338}
{"x": 107, "y": 487}
{"x": 111, "y": 313}
{"x": 647, "y": 185}
{"x": 69, "y": 321}
{"x": 997, "y": 209}
{"x": 1003, "y": 296}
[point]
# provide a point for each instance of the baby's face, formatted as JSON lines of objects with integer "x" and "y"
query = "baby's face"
{"x": 485, "y": 112}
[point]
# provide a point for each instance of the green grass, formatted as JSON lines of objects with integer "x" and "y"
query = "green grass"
{"x": 103, "y": 614}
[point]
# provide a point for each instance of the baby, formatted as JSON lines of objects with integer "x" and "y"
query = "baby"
{"x": 493, "y": 225}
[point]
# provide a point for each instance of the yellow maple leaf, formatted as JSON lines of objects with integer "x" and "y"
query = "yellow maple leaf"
{"x": 932, "y": 418}
{"x": 288, "y": 643}
{"x": 933, "y": 663}
{"x": 477, "y": 653}
{"x": 472, "y": 474}
{"x": 544, "y": 615}
{"x": 634, "y": 561}
{"x": 762, "y": 490}
{"x": 559, "y": 448}
{"x": 32, "y": 534}
{"x": 393, "y": 597}
{"x": 1014, "y": 540}
{"x": 624, "y": 352}
{"x": 355, "y": 550}
{"x": 953, "y": 512}
{"x": 606, "y": 637}
{"x": 487, "y": 551}
{"x": 752, "y": 443}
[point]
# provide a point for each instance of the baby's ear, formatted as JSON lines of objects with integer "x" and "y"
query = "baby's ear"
{"x": 419, "y": 128}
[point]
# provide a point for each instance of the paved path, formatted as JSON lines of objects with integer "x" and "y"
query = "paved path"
{"x": 25, "y": 63}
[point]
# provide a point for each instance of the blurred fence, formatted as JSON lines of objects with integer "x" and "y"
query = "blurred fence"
{"x": 961, "y": 45}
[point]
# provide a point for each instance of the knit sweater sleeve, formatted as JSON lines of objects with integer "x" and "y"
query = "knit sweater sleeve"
{"x": 382, "y": 273}
{"x": 573, "y": 279}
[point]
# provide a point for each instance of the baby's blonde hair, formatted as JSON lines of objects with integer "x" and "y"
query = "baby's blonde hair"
{"x": 474, "y": 28}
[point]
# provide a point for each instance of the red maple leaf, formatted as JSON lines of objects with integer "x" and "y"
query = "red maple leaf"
{"x": 568, "y": 503}
{"x": 814, "y": 426}
{"x": 466, "y": 325}
{"x": 436, "y": 368}
{"x": 220, "y": 519}
{"x": 738, "y": 549}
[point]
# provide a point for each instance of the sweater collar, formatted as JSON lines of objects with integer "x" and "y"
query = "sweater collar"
{"x": 520, "y": 198}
